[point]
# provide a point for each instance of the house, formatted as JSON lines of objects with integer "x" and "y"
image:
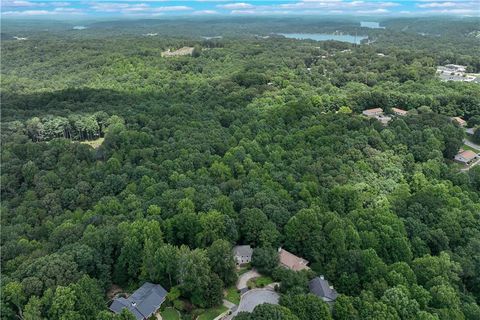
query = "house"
{"x": 383, "y": 119}
{"x": 456, "y": 67}
{"x": 322, "y": 289}
{"x": 459, "y": 121}
{"x": 399, "y": 112}
{"x": 466, "y": 156}
{"x": 143, "y": 303}
{"x": 291, "y": 261}
{"x": 372, "y": 113}
{"x": 242, "y": 254}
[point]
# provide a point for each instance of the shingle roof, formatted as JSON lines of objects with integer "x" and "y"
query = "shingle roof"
{"x": 468, "y": 155}
{"x": 245, "y": 251}
{"x": 399, "y": 111}
{"x": 291, "y": 261}
{"x": 143, "y": 302}
{"x": 459, "y": 120}
{"x": 372, "y": 111}
{"x": 321, "y": 288}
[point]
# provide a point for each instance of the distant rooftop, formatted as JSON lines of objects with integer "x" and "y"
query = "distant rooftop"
{"x": 144, "y": 302}
{"x": 321, "y": 288}
{"x": 245, "y": 250}
{"x": 291, "y": 261}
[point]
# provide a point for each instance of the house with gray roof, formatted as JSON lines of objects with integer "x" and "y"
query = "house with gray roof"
{"x": 242, "y": 254}
{"x": 143, "y": 303}
{"x": 322, "y": 289}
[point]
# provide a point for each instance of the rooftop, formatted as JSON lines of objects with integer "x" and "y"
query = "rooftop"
{"x": 321, "y": 288}
{"x": 460, "y": 121}
{"x": 144, "y": 302}
{"x": 291, "y": 261}
{"x": 245, "y": 250}
{"x": 468, "y": 155}
{"x": 399, "y": 111}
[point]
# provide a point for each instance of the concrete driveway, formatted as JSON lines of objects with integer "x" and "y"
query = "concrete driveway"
{"x": 243, "y": 279}
{"x": 471, "y": 144}
{"x": 255, "y": 297}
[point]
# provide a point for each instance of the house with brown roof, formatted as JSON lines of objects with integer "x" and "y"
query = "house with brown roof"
{"x": 466, "y": 156}
{"x": 459, "y": 121}
{"x": 291, "y": 261}
{"x": 399, "y": 112}
{"x": 373, "y": 113}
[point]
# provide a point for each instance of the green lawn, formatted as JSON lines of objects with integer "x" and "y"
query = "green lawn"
{"x": 465, "y": 147}
{"x": 243, "y": 269}
{"x": 233, "y": 295}
{"x": 212, "y": 313}
{"x": 170, "y": 314}
{"x": 259, "y": 282}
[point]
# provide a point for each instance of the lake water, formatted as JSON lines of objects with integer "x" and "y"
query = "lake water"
{"x": 325, "y": 37}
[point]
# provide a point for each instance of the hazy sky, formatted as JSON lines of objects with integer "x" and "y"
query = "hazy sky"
{"x": 149, "y": 8}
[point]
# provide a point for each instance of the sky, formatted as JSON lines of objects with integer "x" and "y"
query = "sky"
{"x": 156, "y": 8}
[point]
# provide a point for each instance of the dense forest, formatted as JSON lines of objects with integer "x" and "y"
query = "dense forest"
{"x": 253, "y": 140}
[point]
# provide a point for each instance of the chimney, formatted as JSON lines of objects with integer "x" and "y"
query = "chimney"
{"x": 322, "y": 277}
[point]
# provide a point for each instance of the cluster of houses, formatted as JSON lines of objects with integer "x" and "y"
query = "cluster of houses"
{"x": 455, "y": 72}
{"x": 318, "y": 286}
{"x": 377, "y": 113}
{"x": 465, "y": 157}
{"x": 146, "y": 300}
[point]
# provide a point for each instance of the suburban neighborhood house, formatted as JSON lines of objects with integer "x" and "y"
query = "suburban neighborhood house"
{"x": 242, "y": 254}
{"x": 459, "y": 121}
{"x": 291, "y": 261}
{"x": 455, "y": 72}
{"x": 377, "y": 113}
{"x": 143, "y": 303}
{"x": 466, "y": 157}
{"x": 373, "y": 113}
{"x": 322, "y": 289}
{"x": 399, "y": 112}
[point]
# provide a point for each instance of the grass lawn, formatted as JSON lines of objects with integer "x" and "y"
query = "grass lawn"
{"x": 233, "y": 295}
{"x": 94, "y": 143}
{"x": 465, "y": 147}
{"x": 212, "y": 313}
{"x": 170, "y": 314}
{"x": 259, "y": 282}
{"x": 243, "y": 269}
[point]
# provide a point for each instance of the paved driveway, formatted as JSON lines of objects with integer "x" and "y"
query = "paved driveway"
{"x": 253, "y": 298}
{"x": 243, "y": 279}
{"x": 471, "y": 144}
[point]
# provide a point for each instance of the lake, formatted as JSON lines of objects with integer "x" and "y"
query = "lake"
{"x": 325, "y": 37}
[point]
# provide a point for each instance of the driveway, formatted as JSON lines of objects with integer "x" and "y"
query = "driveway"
{"x": 471, "y": 144}
{"x": 255, "y": 297}
{"x": 243, "y": 279}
